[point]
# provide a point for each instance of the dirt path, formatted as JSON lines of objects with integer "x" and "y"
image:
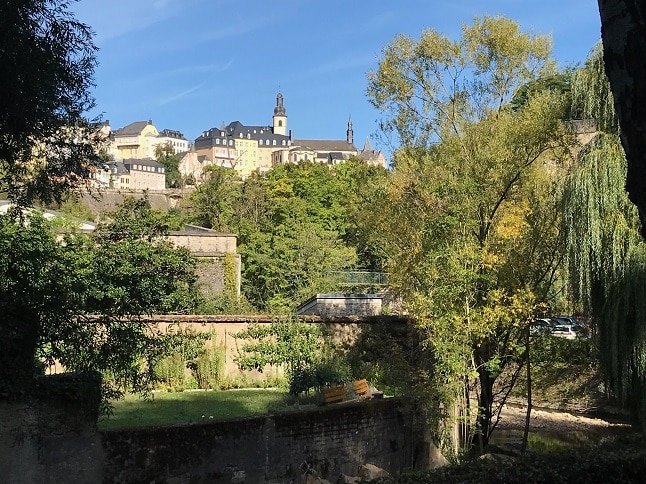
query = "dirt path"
{"x": 513, "y": 417}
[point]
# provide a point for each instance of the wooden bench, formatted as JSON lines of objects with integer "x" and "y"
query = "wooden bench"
{"x": 361, "y": 388}
{"x": 334, "y": 394}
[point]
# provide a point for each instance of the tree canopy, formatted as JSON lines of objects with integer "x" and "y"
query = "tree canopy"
{"x": 48, "y": 59}
{"x": 296, "y": 225}
{"x": 79, "y": 302}
{"x": 468, "y": 218}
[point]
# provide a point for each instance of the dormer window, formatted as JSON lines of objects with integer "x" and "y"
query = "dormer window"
{"x": 283, "y": 142}
{"x": 217, "y": 141}
{"x": 260, "y": 142}
{"x": 248, "y": 135}
{"x": 274, "y": 142}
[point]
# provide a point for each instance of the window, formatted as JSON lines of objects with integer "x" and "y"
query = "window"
{"x": 280, "y": 122}
{"x": 274, "y": 143}
{"x": 260, "y": 142}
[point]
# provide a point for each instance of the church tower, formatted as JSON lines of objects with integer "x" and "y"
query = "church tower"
{"x": 349, "y": 134}
{"x": 280, "y": 117}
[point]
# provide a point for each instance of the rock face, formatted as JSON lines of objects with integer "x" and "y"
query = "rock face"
{"x": 369, "y": 472}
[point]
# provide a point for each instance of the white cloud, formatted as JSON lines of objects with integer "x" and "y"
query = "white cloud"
{"x": 181, "y": 95}
{"x": 116, "y": 18}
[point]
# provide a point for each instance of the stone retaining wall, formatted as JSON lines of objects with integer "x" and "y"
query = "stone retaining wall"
{"x": 327, "y": 441}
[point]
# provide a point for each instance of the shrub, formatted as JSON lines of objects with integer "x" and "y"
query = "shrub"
{"x": 208, "y": 368}
{"x": 170, "y": 371}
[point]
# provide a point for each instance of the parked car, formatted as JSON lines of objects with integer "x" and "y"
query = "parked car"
{"x": 581, "y": 329}
{"x": 541, "y": 326}
{"x": 564, "y": 331}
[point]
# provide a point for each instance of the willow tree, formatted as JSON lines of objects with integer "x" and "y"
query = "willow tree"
{"x": 606, "y": 253}
{"x": 468, "y": 221}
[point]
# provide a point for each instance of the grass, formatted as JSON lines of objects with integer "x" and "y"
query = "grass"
{"x": 192, "y": 407}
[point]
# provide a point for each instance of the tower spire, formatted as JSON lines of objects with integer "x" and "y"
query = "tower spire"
{"x": 349, "y": 134}
{"x": 280, "y": 117}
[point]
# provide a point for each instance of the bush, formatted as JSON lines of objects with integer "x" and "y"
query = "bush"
{"x": 620, "y": 460}
{"x": 324, "y": 372}
{"x": 548, "y": 350}
{"x": 170, "y": 371}
{"x": 208, "y": 368}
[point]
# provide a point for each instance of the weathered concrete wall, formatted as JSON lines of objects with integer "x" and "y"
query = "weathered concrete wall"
{"x": 51, "y": 438}
{"x": 331, "y": 441}
{"x": 109, "y": 199}
{"x": 205, "y": 244}
{"x": 342, "y": 305}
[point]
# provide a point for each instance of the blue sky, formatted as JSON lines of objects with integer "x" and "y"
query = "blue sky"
{"x": 190, "y": 65}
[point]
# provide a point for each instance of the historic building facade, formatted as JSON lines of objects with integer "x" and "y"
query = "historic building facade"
{"x": 250, "y": 148}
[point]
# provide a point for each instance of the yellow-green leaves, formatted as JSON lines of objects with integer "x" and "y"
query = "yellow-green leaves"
{"x": 430, "y": 87}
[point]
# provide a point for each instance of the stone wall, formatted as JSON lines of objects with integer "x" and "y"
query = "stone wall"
{"x": 52, "y": 436}
{"x": 343, "y": 331}
{"x": 328, "y": 441}
{"x": 100, "y": 201}
{"x": 342, "y": 305}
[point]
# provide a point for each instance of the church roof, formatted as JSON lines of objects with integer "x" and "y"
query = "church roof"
{"x": 325, "y": 144}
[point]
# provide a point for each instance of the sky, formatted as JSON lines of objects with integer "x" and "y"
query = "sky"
{"x": 190, "y": 65}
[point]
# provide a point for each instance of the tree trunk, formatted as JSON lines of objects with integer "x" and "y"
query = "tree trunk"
{"x": 485, "y": 405}
{"x": 623, "y": 31}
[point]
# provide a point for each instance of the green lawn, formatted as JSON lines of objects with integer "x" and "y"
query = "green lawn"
{"x": 191, "y": 407}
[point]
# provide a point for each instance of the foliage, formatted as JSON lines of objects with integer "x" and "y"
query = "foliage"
{"x": 71, "y": 204}
{"x": 209, "y": 368}
{"x": 78, "y": 302}
{"x": 295, "y": 225}
{"x": 591, "y": 93}
{"x": 324, "y": 370}
{"x": 468, "y": 218}
{"x": 559, "y": 83}
{"x": 283, "y": 342}
{"x": 212, "y": 202}
{"x": 614, "y": 460}
{"x": 48, "y": 57}
{"x": 430, "y": 87}
{"x": 297, "y": 347}
{"x": 606, "y": 253}
{"x": 32, "y": 295}
{"x": 166, "y": 156}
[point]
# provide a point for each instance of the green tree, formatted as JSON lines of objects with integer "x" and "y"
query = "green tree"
{"x": 79, "y": 302}
{"x": 289, "y": 255}
{"x": 48, "y": 58}
{"x": 166, "y": 156}
{"x": 467, "y": 214}
{"x": 212, "y": 203}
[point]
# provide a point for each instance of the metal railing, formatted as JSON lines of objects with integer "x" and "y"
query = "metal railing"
{"x": 360, "y": 278}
